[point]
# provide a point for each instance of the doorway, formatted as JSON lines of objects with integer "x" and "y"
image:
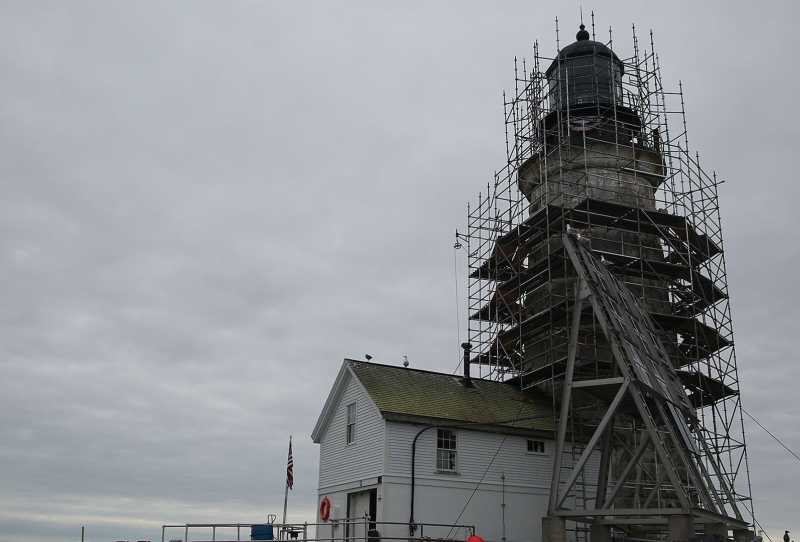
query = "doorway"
{"x": 361, "y": 504}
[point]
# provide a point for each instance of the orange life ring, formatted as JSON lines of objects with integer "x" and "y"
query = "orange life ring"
{"x": 325, "y": 509}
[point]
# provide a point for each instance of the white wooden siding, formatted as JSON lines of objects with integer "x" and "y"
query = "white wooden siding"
{"x": 339, "y": 462}
{"x": 475, "y": 451}
{"x": 440, "y": 502}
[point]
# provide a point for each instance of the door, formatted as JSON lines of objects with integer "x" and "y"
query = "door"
{"x": 361, "y": 505}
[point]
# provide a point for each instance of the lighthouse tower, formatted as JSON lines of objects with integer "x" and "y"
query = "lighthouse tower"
{"x": 597, "y": 276}
{"x": 595, "y": 156}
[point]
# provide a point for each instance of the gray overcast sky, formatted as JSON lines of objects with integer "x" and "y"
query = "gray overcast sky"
{"x": 207, "y": 205}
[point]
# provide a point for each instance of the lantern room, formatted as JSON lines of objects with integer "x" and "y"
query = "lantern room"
{"x": 586, "y": 74}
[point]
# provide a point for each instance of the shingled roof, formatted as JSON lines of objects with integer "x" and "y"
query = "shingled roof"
{"x": 417, "y": 396}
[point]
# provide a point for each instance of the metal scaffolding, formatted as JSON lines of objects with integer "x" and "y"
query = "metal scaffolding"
{"x": 615, "y": 171}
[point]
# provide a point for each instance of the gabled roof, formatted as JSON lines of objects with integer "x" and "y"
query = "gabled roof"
{"x": 333, "y": 396}
{"x": 417, "y": 396}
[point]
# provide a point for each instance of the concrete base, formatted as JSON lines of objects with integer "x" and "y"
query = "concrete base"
{"x": 681, "y": 528}
{"x": 600, "y": 533}
{"x": 554, "y": 529}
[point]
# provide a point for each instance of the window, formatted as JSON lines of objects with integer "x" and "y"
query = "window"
{"x": 351, "y": 423}
{"x": 535, "y": 446}
{"x": 445, "y": 450}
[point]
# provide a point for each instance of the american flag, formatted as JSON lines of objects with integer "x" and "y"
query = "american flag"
{"x": 290, "y": 467}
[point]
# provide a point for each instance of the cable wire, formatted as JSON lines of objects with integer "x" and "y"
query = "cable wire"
{"x": 517, "y": 419}
{"x": 762, "y": 529}
{"x": 784, "y": 446}
{"x": 485, "y": 472}
{"x": 779, "y": 441}
{"x": 478, "y": 485}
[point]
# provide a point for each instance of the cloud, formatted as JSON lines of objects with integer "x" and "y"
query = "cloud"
{"x": 206, "y": 207}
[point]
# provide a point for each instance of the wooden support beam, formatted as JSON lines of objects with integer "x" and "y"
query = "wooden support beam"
{"x": 587, "y": 451}
{"x": 566, "y": 393}
{"x": 596, "y": 382}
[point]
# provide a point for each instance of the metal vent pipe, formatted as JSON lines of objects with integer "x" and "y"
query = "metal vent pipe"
{"x": 467, "y": 377}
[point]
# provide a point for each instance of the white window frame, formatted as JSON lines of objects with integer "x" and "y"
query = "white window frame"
{"x": 350, "y": 425}
{"x": 448, "y": 450}
{"x": 530, "y": 447}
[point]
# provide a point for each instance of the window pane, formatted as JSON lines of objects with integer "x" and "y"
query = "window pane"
{"x": 351, "y": 422}
{"x": 445, "y": 460}
{"x": 536, "y": 446}
{"x": 446, "y": 439}
{"x": 445, "y": 450}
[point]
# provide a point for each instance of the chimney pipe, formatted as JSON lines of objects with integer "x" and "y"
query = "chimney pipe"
{"x": 467, "y": 378}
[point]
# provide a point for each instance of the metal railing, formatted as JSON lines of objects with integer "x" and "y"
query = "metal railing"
{"x": 335, "y": 530}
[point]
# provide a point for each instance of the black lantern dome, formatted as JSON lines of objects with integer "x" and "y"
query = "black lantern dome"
{"x": 585, "y": 73}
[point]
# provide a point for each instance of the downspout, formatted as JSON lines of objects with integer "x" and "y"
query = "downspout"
{"x": 412, "y": 527}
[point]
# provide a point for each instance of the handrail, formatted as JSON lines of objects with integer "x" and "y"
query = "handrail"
{"x": 300, "y": 532}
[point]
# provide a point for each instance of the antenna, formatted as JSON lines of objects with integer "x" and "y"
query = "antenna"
{"x": 593, "y": 26}
{"x": 558, "y": 47}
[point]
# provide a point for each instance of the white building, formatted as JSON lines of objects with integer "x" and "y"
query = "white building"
{"x": 483, "y": 452}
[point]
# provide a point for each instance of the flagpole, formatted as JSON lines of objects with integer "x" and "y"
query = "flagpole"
{"x": 286, "y": 486}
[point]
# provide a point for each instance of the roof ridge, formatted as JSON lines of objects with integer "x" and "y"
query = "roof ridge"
{"x": 349, "y": 360}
